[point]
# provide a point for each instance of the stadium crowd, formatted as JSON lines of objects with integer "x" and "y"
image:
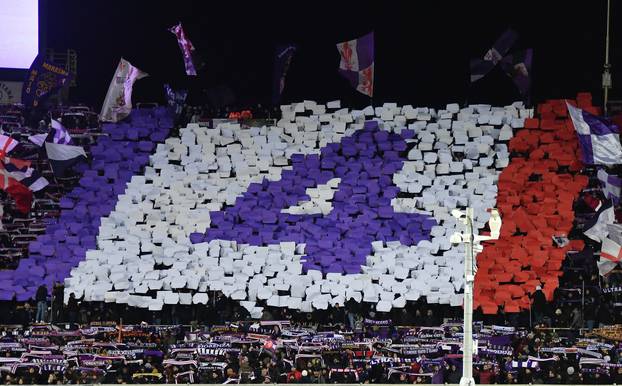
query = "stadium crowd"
{"x": 376, "y": 351}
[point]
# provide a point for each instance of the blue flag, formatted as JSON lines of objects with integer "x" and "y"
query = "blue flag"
{"x": 44, "y": 77}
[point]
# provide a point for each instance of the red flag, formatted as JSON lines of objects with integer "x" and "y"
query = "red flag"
{"x": 18, "y": 191}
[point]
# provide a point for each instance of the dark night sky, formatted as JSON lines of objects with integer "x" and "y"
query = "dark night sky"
{"x": 422, "y": 50}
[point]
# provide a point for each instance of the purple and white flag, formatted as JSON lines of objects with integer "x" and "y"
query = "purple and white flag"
{"x": 612, "y": 185}
{"x": 480, "y": 67}
{"x": 59, "y": 133}
{"x": 611, "y": 250}
{"x": 596, "y": 228}
{"x": 599, "y": 138}
{"x": 518, "y": 67}
{"x": 118, "y": 102}
{"x": 187, "y": 49}
{"x": 357, "y": 63}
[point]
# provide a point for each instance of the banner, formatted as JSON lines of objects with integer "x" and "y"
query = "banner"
{"x": 374, "y": 322}
{"x": 175, "y": 98}
{"x": 282, "y": 60}
{"x": 10, "y": 92}
{"x": 187, "y": 49}
{"x": 43, "y": 78}
{"x": 118, "y": 102}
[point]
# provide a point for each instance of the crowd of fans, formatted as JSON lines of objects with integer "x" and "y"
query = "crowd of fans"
{"x": 375, "y": 351}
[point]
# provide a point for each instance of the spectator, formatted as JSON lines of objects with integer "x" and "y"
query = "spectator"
{"x": 539, "y": 305}
{"x": 57, "y": 303}
{"x": 453, "y": 375}
{"x": 487, "y": 375}
{"x": 72, "y": 308}
{"x": 42, "y": 305}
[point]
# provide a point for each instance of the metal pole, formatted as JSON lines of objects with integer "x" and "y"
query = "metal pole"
{"x": 469, "y": 277}
{"x": 607, "y": 66}
{"x": 582, "y": 302}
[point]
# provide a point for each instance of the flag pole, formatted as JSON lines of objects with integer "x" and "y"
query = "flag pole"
{"x": 607, "y": 66}
{"x": 469, "y": 276}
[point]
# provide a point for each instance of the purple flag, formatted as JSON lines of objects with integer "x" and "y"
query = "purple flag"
{"x": 357, "y": 63}
{"x": 518, "y": 67}
{"x": 481, "y": 67}
{"x": 187, "y": 49}
{"x": 59, "y": 133}
{"x": 44, "y": 77}
{"x": 599, "y": 137}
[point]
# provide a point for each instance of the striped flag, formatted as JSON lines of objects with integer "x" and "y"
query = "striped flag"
{"x": 20, "y": 170}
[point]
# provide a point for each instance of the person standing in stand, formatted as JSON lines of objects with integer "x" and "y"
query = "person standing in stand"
{"x": 42, "y": 303}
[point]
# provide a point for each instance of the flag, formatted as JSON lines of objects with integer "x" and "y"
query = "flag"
{"x": 118, "y": 102}
{"x": 44, "y": 77}
{"x": 22, "y": 171}
{"x": 518, "y": 67}
{"x": 481, "y": 67}
{"x": 175, "y": 98}
{"x": 610, "y": 251}
{"x": 18, "y": 169}
{"x": 38, "y": 139}
{"x": 596, "y": 228}
{"x": 612, "y": 185}
{"x": 599, "y": 138}
{"x": 63, "y": 157}
{"x": 58, "y": 134}
{"x": 18, "y": 191}
{"x": 187, "y": 49}
{"x": 282, "y": 60}
{"x": 357, "y": 63}
{"x": 7, "y": 144}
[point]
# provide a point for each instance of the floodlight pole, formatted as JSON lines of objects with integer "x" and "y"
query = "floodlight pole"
{"x": 469, "y": 279}
{"x": 607, "y": 66}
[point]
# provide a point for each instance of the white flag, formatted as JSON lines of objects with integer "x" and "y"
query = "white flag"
{"x": 597, "y": 230}
{"x": 610, "y": 253}
{"x": 118, "y": 102}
